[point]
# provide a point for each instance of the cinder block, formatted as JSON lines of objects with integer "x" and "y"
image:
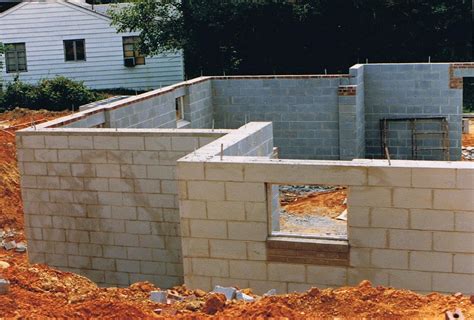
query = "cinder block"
{"x": 247, "y": 269}
{"x": 212, "y": 229}
{"x": 465, "y": 178}
{"x": 90, "y": 250}
{"x": 390, "y": 259}
{"x": 453, "y": 241}
{"x": 367, "y": 237}
{"x": 184, "y": 143}
{"x": 228, "y": 249}
{"x": 46, "y": 155}
{"x": 117, "y": 278}
{"x": 248, "y": 231}
{"x": 192, "y": 209}
{"x": 464, "y": 263}
{"x": 412, "y": 198}
{"x": 413, "y": 280}
{"x": 358, "y": 216}
{"x": 137, "y": 227}
{"x": 190, "y": 171}
{"x": 33, "y": 142}
{"x": 391, "y": 176}
{"x": 236, "y": 191}
{"x": 286, "y": 272}
{"x": 54, "y": 234}
{"x": 159, "y": 172}
{"x": 198, "y": 282}
{"x": 453, "y": 199}
{"x": 56, "y": 142}
{"x": 35, "y": 168}
{"x": 79, "y": 262}
{"x": 256, "y": 251}
{"x": 126, "y": 240}
{"x": 132, "y": 143}
{"x": 432, "y": 219}
{"x": 369, "y": 197}
{"x": 205, "y": 190}
{"x": 433, "y": 178}
{"x": 389, "y": 218}
{"x": 128, "y": 265}
{"x": 83, "y": 170}
{"x": 224, "y": 172}
{"x": 195, "y": 247}
{"x": 210, "y": 267}
{"x": 77, "y": 236}
{"x": 158, "y": 143}
{"x": 359, "y": 257}
{"x": 410, "y": 239}
{"x": 327, "y": 275}
{"x": 464, "y": 221}
{"x": 80, "y": 142}
{"x": 139, "y": 253}
{"x": 431, "y": 261}
{"x": 103, "y": 264}
{"x": 96, "y": 184}
{"x": 225, "y": 210}
{"x": 106, "y": 143}
{"x": 256, "y": 211}
{"x": 69, "y": 156}
{"x": 154, "y": 267}
{"x": 109, "y": 225}
{"x": 152, "y": 241}
{"x": 108, "y": 170}
{"x": 451, "y": 282}
{"x": 114, "y": 252}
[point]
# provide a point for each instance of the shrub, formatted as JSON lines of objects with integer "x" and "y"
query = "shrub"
{"x": 62, "y": 93}
{"x": 55, "y": 94}
{"x": 19, "y": 94}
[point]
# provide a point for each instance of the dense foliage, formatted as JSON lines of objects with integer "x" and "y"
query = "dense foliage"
{"x": 304, "y": 36}
{"x": 54, "y": 94}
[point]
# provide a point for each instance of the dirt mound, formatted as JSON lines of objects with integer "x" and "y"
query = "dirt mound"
{"x": 11, "y": 212}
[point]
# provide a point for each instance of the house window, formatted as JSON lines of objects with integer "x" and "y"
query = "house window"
{"x": 15, "y": 56}
{"x": 131, "y": 53}
{"x": 75, "y": 50}
{"x": 179, "y": 105}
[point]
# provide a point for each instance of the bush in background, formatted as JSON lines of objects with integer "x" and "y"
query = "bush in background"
{"x": 56, "y": 94}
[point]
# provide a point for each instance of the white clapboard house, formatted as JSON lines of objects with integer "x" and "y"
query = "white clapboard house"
{"x": 71, "y": 38}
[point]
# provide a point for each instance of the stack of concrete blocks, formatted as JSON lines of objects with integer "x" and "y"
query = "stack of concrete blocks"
{"x": 411, "y": 90}
{"x": 410, "y": 224}
{"x": 352, "y": 116}
{"x": 303, "y": 109}
{"x": 103, "y": 202}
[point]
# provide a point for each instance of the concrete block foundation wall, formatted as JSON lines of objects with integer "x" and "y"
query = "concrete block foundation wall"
{"x": 411, "y": 90}
{"x": 103, "y": 203}
{"x": 410, "y": 225}
{"x": 303, "y": 109}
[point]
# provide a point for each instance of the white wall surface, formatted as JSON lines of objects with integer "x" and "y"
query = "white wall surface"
{"x": 44, "y": 25}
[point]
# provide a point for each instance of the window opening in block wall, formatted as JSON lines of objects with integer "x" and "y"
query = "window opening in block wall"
{"x": 179, "y": 105}
{"x": 315, "y": 211}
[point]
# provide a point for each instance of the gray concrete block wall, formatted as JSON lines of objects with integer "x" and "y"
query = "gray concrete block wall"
{"x": 410, "y": 90}
{"x": 198, "y": 105}
{"x": 304, "y": 112}
{"x": 103, "y": 203}
{"x": 154, "y": 112}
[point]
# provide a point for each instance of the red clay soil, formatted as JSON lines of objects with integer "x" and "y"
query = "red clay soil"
{"x": 39, "y": 291}
{"x": 327, "y": 203}
{"x": 11, "y": 211}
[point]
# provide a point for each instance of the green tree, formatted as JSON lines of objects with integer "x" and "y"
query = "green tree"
{"x": 304, "y": 36}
